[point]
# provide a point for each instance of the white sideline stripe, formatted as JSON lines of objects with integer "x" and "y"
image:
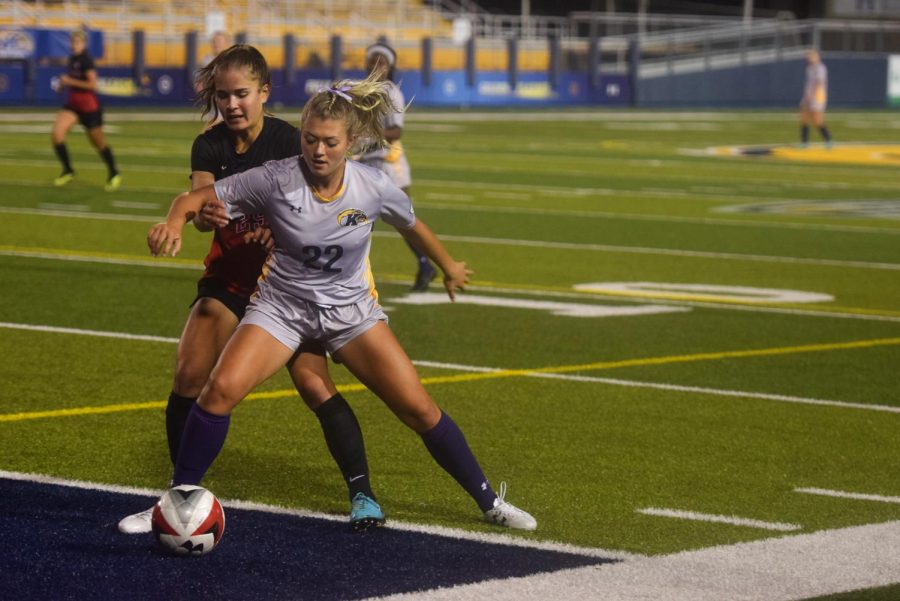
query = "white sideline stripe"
{"x": 857, "y": 496}
{"x": 784, "y": 568}
{"x": 93, "y": 259}
{"x": 80, "y": 332}
{"x": 673, "y": 387}
{"x": 477, "y": 369}
{"x": 719, "y": 519}
{"x": 482, "y": 537}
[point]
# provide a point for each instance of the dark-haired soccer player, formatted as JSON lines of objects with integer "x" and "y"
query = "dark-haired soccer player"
{"x": 236, "y": 85}
{"x": 82, "y": 105}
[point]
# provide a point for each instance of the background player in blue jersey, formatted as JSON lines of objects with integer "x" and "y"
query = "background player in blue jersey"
{"x": 317, "y": 285}
{"x": 82, "y": 106}
{"x": 381, "y": 60}
{"x": 815, "y": 98}
{"x": 235, "y": 86}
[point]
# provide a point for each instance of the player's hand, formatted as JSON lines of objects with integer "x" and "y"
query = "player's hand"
{"x": 261, "y": 235}
{"x": 456, "y": 278}
{"x": 164, "y": 239}
{"x": 213, "y": 214}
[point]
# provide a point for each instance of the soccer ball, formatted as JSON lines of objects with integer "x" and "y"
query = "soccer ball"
{"x": 188, "y": 520}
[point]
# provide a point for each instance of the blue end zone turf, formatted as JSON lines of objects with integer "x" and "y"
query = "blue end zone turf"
{"x": 61, "y": 542}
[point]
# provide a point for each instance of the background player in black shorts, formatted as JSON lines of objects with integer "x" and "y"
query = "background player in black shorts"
{"x": 82, "y": 105}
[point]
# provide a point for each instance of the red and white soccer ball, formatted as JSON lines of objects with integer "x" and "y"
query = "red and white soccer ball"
{"x": 188, "y": 520}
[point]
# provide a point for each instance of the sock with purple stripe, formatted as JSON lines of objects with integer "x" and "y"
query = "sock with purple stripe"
{"x": 202, "y": 439}
{"x": 448, "y": 446}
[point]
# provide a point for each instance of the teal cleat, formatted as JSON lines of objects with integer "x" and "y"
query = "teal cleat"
{"x": 365, "y": 513}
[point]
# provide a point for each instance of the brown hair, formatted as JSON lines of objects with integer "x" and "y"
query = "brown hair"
{"x": 235, "y": 57}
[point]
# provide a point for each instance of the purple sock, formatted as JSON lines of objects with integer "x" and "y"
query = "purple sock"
{"x": 448, "y": 446}
{"x": 202, "y": 439}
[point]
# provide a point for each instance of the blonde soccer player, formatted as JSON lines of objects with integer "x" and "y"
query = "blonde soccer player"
{"x": 317, "y": 286}
{"x": 815, "y": 98}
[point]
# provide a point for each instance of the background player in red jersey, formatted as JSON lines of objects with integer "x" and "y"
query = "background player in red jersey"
{"x": 82, "y": 105}
{"x": 236, "y": 86}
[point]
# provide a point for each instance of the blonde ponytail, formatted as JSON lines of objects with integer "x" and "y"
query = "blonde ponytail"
{"x": 361, "y": 105}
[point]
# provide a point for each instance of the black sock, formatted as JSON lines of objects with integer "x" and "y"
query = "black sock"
{"x": 107, "y": 155}
{"x": 345, "y": 441}
{"x": 448, "y": 446}
{"x": 825, "y": 133}
{"x": 63, "y": 153}
{"x": 804, "y": 134}
{"x": 176, "y": 414}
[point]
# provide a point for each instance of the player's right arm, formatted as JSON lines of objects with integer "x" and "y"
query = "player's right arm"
{"x": 165, "y": 238}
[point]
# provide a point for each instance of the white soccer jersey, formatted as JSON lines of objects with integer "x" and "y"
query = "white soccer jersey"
{"x": 321, "y": 246}
{"x": 816, "y": 82}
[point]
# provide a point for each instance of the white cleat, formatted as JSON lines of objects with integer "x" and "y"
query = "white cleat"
{"x": 138, "y": 523}
{"x": 508, "y": 515}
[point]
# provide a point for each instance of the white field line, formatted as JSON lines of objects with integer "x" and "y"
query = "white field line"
{"x": 857, "y": 496}
{"x": 108, "y": 260}
{"x": 527, "y": 191}
{"x": 482, "y": 537}
{"x": 654, "y": 218}
{"x": 477, "y": 369}
{"x": 81, "y": 332}
{"x": 125, "y": 204}
{"x": 674, "y": 388}
{"x": 182, "y": 264}
{"x": 51, "y": 206}
{"x": 785, "y": 568}
{"x": 713, "y": 305}
{"x": 719, "y": 519}
{"x": 88, "y": 215}
{"x": 62, "y": 212}
{"x": 610, "y": 248}
{"x": 131, "y": 188}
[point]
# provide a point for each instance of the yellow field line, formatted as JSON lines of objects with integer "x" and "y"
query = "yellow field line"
{"x": 119, "y": 407}
{"x": 503, "y": 373}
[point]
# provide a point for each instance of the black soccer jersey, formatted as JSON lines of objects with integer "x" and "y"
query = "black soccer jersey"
{"x": 214, "y": 152}
{"x": 230, "y": 259}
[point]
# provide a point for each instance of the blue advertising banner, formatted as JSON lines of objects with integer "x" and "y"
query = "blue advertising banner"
{"x": 157, "y": 86}
{"x": 12, "y": 83}
{"x": 30, "y": 43}
{"x": 449, "y": 88}
{"x": 16, "y": 44}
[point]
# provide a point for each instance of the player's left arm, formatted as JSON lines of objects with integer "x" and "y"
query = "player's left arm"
{"x": 456, "y": 274}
